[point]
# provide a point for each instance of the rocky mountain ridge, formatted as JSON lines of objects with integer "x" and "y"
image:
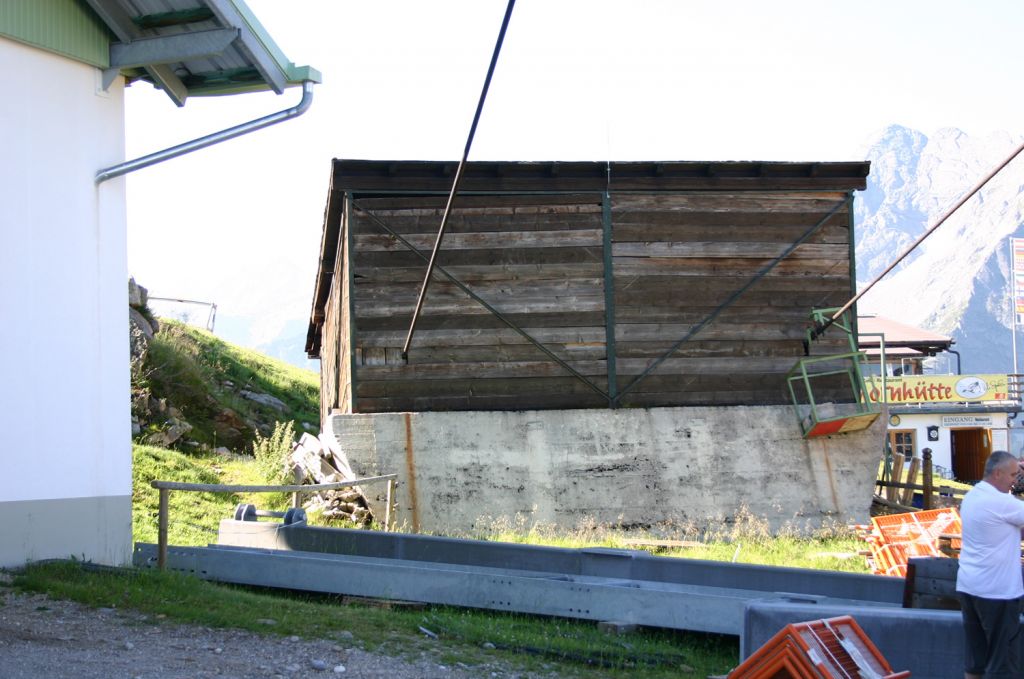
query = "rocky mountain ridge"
{"x": 957, "y": 282}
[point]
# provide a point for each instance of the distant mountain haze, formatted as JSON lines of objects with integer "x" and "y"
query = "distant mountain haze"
{"x": 957, "y": 282}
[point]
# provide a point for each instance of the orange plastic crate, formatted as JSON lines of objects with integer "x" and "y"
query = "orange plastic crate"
{"x": 897, "y": 537}
{"x": 836, "y": 648}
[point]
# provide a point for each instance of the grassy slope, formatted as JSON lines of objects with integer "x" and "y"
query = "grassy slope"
{"x": 202, "y": 376}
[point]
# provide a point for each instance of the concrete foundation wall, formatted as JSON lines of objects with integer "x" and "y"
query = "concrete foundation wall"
{"x": 632, "y": 466}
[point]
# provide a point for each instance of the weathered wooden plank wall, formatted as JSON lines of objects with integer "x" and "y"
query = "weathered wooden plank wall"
{"x": 537, "y": 259}
{"x": 678, "y": 256}
{"x": 676, "y": 252}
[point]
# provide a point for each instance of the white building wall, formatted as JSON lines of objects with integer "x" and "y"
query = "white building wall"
{"x": 65, "y": 433}
{"x": 942, "y": 449}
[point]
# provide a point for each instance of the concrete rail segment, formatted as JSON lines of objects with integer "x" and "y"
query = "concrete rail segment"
{"x": 593, "y": 584}
{"x": 658, "y": 604}
{"x": 929, "y": 643}
{"x": 604, "y": 563}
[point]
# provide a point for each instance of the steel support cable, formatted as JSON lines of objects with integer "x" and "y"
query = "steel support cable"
{"x": 734, "y": 296}
{"x": 482, "y": 302}
{"x": 949, "y": 213}
{"x": 458, "y": 178}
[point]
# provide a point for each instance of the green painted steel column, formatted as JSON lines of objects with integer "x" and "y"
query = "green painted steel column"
{"x": 609, "y": 300}
{"x": 349, "y": 283}
{"x": 853, "y": 270}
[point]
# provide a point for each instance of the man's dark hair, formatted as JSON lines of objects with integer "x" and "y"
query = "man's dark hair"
{"x": 996, "y": 460}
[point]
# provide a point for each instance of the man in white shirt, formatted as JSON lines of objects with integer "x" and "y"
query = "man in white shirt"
{"x": 989, "y": 577}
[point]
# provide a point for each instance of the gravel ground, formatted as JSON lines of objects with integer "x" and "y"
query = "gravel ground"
{"x": 45, "y": 638}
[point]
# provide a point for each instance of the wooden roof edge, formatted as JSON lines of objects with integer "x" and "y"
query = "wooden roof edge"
{"x": 329, "y": 241}
{"x": 624, "y": 175}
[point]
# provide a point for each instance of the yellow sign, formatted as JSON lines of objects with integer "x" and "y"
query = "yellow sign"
{"x": 938, "y": 388}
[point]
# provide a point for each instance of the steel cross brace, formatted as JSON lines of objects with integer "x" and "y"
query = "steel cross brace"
{"x": 732, "y": 298}
{"x": 437, "y": 268}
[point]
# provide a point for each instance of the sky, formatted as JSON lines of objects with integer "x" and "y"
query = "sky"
{"x": 239, "y": 224}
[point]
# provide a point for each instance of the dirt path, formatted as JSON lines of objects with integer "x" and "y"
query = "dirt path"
{"x": 44, "y": 638}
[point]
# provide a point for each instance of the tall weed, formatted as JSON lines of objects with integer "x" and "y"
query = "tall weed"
{"x": 271, "y": 452}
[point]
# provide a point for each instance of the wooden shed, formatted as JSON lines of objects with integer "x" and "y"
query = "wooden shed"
{"x": 577, "y": 284}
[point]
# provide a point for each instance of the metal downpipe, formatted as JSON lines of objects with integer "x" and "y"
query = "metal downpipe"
{"x": 210, "y": 139}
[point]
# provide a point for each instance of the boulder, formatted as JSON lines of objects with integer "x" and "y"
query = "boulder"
{"x": 176, "y": 429}
{"x": 264, "y": 399}
{"x": 137, "y": 295}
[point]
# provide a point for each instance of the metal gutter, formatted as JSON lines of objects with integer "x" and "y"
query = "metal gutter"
{"x": 210, "y": 139}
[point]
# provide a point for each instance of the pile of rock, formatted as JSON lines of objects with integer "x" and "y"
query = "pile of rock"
{"x": 314, "y": 460}
{"x": 142, "y": 325}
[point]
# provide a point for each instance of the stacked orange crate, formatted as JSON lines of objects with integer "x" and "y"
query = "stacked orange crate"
{"x": 836, "y": 648}
{"x": 897, "y": 537}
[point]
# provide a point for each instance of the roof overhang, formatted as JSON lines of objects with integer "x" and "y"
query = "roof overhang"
{"x": 901, "y": 339}
{"x": 195, "y": 48}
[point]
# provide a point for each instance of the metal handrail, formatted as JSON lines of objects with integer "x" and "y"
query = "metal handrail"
{"x": 165, "y": 488}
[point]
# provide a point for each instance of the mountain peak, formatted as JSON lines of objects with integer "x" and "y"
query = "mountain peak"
{"x": 957, "y": 281}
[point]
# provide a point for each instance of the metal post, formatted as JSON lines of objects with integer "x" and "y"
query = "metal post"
{"x": 1013, "y": 305}
{"x": 609, "y": 300}
{"x": 161, "y": 554}
{"x": 388, "y": 500}
{"x": 458, "y": 178}
{"x": 926, "y": 457}
{"x": 295, "y": 500}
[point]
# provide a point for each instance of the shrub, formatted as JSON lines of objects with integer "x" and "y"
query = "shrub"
{"x": 272, "y": 452}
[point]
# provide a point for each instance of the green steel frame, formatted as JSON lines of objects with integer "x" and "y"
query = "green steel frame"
{"x": 854, "y": 361}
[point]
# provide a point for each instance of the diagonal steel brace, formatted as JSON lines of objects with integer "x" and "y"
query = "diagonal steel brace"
{"x": 732, "y": 298}
{"x": 501, "y": 317}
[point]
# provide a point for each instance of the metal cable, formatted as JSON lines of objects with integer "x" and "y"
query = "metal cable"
{"x": 458, "y": 178}
{"x": 949, "y": 213}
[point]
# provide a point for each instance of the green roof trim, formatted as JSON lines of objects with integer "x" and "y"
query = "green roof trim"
{"x": 66, "y": 27}
{"x": 295, "y": 74}
{"x": 85, "y": 30}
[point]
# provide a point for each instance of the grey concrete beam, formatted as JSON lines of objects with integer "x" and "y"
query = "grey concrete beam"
{"x": 114, "y": 16}
{"x": 658, "y": 604}
{"x": 599, "y": 562}
{"x": 171, "y": 48}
